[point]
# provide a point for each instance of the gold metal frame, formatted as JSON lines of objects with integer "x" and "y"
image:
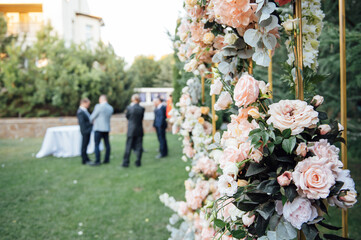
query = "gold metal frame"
{"x": 342, "y": 21}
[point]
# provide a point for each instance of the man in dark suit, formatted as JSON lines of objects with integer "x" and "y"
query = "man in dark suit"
{"x": 160, "y": 125}
{"x": 135, "y": 115}
{"x": 85, "y": 128}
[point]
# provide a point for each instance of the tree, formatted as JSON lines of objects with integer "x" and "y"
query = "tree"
{"x": 164, "y": 78}
{"x": 48, "y": 78}
{"x": 144, "y": 71}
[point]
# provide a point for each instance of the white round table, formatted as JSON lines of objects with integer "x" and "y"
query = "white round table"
{"x": 64, "y": 141}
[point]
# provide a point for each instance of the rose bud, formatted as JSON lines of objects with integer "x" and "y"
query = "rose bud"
{"x": 301, "y": 149}
{"x": 349, "y": 199}
{"x": 253, "y": 112}
{"x": 242, "y": 183}
{"x": 324, "y": 129}
{"x": 317, "y": 100}
{"x": 247, "y": 220}
{"x": 284, "y": 179}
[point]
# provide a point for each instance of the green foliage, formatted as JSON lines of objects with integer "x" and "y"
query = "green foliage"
{"x": 55, "y": 88}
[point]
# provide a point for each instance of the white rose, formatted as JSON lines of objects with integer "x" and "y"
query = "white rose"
{"x": 223, "y": 102}
{"x": 216, "y": 87}
{"x": 300, "y": 211}
{"x": 317, "y": 100}
{"x": 208, "y": 38}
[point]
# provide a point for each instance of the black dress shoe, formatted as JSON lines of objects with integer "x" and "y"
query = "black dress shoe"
{"x": 106, "y": 162}
{"x": 94, "y": 164}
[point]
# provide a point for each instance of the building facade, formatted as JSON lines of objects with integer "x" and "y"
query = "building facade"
{"x": 71, "y": 19}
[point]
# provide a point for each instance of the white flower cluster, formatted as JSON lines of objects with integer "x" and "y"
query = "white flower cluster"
{"x": 312, "y": 25}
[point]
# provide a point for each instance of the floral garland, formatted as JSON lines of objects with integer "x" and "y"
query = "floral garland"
{"x": 280, "y": 167}
{"x": 190, "y": 122}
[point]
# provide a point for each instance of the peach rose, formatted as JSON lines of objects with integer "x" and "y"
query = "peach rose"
{"x": 293, "y": 114}
{"x": 284, "y": 179}
{"x": 300, "y": 211}
{"x": 323, "y": 149}
{"x": 241, "y": 13}
{"x": 219, "y": 42}
{"x": 301, "y": 150}
{"x": 246, "y": 90}
{"x": 253, "y": 112}
{"x": 313, "y": 178}
{"x": 223, "y": 102}
{"x": 231, "y": 154}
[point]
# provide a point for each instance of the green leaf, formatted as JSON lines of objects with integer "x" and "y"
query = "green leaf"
{"x": 269, "y": 186}
{"x": 271, "y": 147}
{"x": 255, "y": 168}
{"x": 291, "y": 192}
{"x": 272, "y": 135}
{"x": 257, "y": 130}
{"x": 219, "y": 223}
{"x": 328, "y": 226}
{"x": 334, "y": 237}
{"x": 336, "y": 188}
{"x": 238, "y": 234}
{"x": 278, "y": 140}
{"x": 266, "y": 210}
{"x": 286, "y": 133}
{"x": 265, "y": 138}
{"x": 322, "y": 115}
{"x": 310, "y": 231}
{"x": 289, "y": 144}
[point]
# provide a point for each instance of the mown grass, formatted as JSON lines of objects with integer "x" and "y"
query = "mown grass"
{"x": 48, "y": 198}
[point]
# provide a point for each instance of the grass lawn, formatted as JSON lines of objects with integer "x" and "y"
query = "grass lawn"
{"x": 50, "y": 198}
{"x": 55, "y": 198}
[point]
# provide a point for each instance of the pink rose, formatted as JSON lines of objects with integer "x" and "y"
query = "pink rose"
{"x": 324, "y": 129}
{"x": 293, "y": 114}
{"x": 284, "y": 179}
{"x": 300, "y": 211}
{"x": 246, "y": 90}
{"x": 301, "y": 150}
{"x": 313, "y": 177}
{"x": 248, "y": 220}
{"x": 223, "y": 101}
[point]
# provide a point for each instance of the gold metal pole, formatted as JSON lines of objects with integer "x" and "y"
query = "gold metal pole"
{"x": 250, "y": 66}
{"x": 343, "y": 100}
{"x": 270, "y": 81}
{"x": 299, "y": 43}
{"x": 213, "y": 114}
{"x": 297, "y": 13}
{"x": 203, "y": 96}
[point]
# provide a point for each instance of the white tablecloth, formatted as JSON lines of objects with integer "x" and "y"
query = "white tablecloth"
{"x": 64, "y": 141}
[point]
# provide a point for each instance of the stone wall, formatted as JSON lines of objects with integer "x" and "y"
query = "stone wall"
{"x": 36, "y": 127}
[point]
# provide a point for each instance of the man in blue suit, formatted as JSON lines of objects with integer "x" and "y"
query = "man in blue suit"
{"x": 85, "y": 128}
{"x": 160, "y": 125}
{"x": 101, "y": 125}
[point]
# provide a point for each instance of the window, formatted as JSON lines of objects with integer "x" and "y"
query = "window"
{"x": 88, "y": 35}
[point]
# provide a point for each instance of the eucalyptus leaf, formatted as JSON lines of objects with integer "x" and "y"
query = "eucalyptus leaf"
{"x": 269, "y": 41}
{"x": 285, "y": 230}
{"x": 269, "y": 8}
{"x": 246, "y": 53}
{"x": 224, "y": 67}
{"x": 273, "y": 24}
{"x": 261, "y": 57}
{"x": 251, "y": 37}
{"x": 260, "y": 4}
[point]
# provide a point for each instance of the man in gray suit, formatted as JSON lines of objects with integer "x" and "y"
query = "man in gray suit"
{"x": 101, "y": 125}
